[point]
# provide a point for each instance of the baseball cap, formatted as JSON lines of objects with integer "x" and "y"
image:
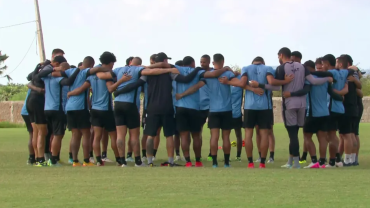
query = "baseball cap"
{"x": 161, "y": 57}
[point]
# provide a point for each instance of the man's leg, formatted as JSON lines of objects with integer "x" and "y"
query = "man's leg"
{"x": 323, "y": 145}
{"x": 258, "y": 142}
{"x": 272, "y": 145}
{"x": 239, "y": 143}
{"x": 58, "y": 120}
{"x": 113, "y": 142}
{"x": 86, "y": 146}
{"x": 215, "y": 135}
{"x": 70, "y": 153}
{"x": 293, "y": 118}
{"x": 311, "y": 148}
{"x": 75, "y": 144}
{"x": 121, "y": 137}
{"x": 156, "y": 142}
{"x": 104, "y": 142}
{"x": 226, "y": 146}
{"x": 129, "y": 149}
{"x": 152, "y": 123}
{"x": 303, "y": 159}
{"x": 48, "y": 141}
{"x": 177, "y": 145}
{"x": 185, "y": 146}
{"x": 98, "y": 131}
{"x": 91, "y": 154}
{"x": 197, "y": 147}
{"x": 135, "y": 144}
{"x": 143, "y": 146}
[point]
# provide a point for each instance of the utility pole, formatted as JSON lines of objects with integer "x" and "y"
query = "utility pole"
{"x": 39, "y": 33}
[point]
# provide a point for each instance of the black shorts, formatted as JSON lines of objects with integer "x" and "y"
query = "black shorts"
{"x": 237, "y": 123}
{"x": 103, "y": 119}
{"x": 272, "y": 116}
{"x": 57, "y": 120}
{"x": 203, "y": 116}
{"x": 126, "y": 114}
{"x": 347, "y": 124}
{"x": 220, "y": 120}
{"x": 358, "y": 121}
{"x": 333, "y": 121}
{"x": 315, "y": 124}
{"x": 26, "y": 119}
{"x": 188, "y": 120}
{"x": 35, "y": 109}
{"x": 260, "y": 118}
{"x": 154, "y": 122}
{"x": 78, "y": 119}
{"x": 143, "y": 118}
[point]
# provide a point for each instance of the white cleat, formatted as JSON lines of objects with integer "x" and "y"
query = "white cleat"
{"x": 178, "y": 158}
{"x": 258, "y": 160}
{"x": 130, "y": 159}
{"x": 107, "y": 160}
{"x": 92, "y": 160}
{"x": 143, "y": 159}
{"x": 140, "y": 166}
{"x": 153, "y": 159}
{"x": 286, "y": 166}
{"x": 123, "y": 165}
{"x": 270, "y": 161}
{"x": 339, "y": 164}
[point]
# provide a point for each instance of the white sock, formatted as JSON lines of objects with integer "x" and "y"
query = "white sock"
{"x": 353, "y": 157}
{"x": 347, "y": 158}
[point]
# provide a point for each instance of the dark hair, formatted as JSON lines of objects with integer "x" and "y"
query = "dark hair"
{"x": 348, "y": 58}
{"x": 79, "y": 64}
{"x": 297, "y": 54}
{"x": 107, "y": 58}
{"x": 309, "y": 63}
{"x": 89, "y": 61}
{"x": 137, "y": 60}
{"x": 152, "y": 57}
{"x": 179, "y": 63}
{"x": 206, "y": 57}
{"x": 285, "y": 52}
{"x": 318, "y": 60}
{"x": 56, "y": 51}
{"x": 59, "y": 59}
{"x": 218, "y": 58}
{"x": 258, "y": 59}
{"x": 72, "y": 66}
{"x": 329, "y": 58}
{"x": 343, "y": 61}
{"x": 129, "y": 60}
{"x": 188, "y": 60}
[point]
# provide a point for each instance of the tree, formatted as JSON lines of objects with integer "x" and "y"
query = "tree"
{"x": 7, "y": 91}
{"x": 236, "y": 68}
{"x": 2, "y": 59}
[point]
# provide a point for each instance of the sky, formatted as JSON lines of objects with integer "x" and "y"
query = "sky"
{"x": 239, "y": 29}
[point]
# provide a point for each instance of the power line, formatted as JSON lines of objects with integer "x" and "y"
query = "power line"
{"x": 18, "y": 24}
{"x": 23, "y": 56}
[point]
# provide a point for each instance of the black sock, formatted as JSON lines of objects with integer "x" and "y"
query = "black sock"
{"x": 138, "y": 160}
{"x": 209, "y": 155}
{"x": 58, "y": 156}
{"x": 314, "y": 159}
{"x": 129, "y": 154}
{"x": 42, "y": 159}
{"x": 227, "y": 159}
{"x": 154, "y": 152}
{"x": 75, "y": 161}
{"x": 70, "y": 155}
{"x": 177, "y": 152}
{"x": 338, "y": 158}
{"x": 322, "y": 161}
{"x": 238, "y": 153}
{"x": 144, "y": 152}
{"x": 187, "y": 159}
{"x": 197, "y": 159}
{"x": 91, "y": 154}
{"x": 259, "y": 153}
{"x": 332, "y": 162}
{"x": 123, "y": 161}
{"x": 54, "y": 160}
{"x": 304, "y": 156}
{"x": 250, "y": 159}
{"x": 86, "y": 160}
{"x": 32, "y": 158}
{"x": 104, "y": 154}
{"x": 118, "y": 160}
{"x": 263, "y": 160}
{"x": 214, "y": 160}
{"x": 272, "y": 155}
{"x": 98, "y": 159}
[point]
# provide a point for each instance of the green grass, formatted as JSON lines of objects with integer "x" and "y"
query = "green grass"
{"x": 110, "y": 186}
{"x": 11, "y": 125}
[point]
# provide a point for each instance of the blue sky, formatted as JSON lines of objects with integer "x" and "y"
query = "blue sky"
{"x": 239, "y": 29}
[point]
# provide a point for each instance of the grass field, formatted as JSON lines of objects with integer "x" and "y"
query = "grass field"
{"x": 111, "y": 186}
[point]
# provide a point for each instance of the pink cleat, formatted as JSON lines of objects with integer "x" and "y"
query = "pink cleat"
{"x": 313, "y": 165}
{"x": 189, "y": 165}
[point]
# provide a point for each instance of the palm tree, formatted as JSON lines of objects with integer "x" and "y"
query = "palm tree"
{"x": 2, "y": 59}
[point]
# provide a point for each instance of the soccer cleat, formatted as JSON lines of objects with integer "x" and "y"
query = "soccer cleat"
{"x": 355, "y": 164}
{"x": 238, "y": 159}
{"x": 153, "y": 158}
{"x": 302, "y": 162}
{"x": 189, "y": 165}
{"x": 330, "y": 166}
{"x": 270, "y": 161}
{"x": 31, "y": 162}
{"x": 92, "y": 160}
{"x": 151, "y": 165}
{"x": 143, "y": 159}
{"x": 262, "y": 165}
{"x": 100, "y": 163}
{"x": 90, "y": 164}
{"x": 47, "y": 156}
{"x": 347, "y": 164}
{"x": 250, "y": 165}
{"x": 297, "y": 166}
{"x": 43, "y": 164}
{"x": 178, "y": 158}
{"x": 226, "y": 165}
{"x": 76, "y": 164}
{"x": 313, "y": 165}
{"x": 130, "y": 159}
{"x": 107, "y": 160}
{"x": 339, "y": 164}
{"x": 286, "y": 166}
{"x": 70, "y": 161}
{"x": 258, "y": 160}
{"x": 198, "y": 164}
{"x": 214, "y": 166}
{"x": 323, "y": 166}
{"x": 233, "y": 144}
{"x": 209, "y": 158}
{"x": 124, "y": 165}
{"x": 139, "y": 166}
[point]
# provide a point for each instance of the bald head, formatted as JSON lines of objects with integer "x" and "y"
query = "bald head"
{"x": 136, "y": 61}
{"x": 88, "y": 62}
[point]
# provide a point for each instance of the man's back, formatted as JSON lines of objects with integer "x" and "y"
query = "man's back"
{"x": 220, "y": 94}
{"x": 77, "y": 102}
{"x": 53, "y": 93}
{"x": 317, "y": 101}
{"x": 101, "y": 99}
{"x": 341, "y": 79}
{"x": 160, "y": 94}
{"x": 135, "y": 73}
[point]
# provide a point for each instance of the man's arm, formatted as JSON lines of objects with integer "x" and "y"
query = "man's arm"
{"x": 334, "y": 95}
{"x": 186, "y": 79}
{"x": 113, "y": 86}
{"x": 159, "y": 71}
{"x": 79, "y": 90}
{"x": 70, "y": 80}
{"x": 322, "y": 74}
{"x": 306, "y": 88}
{"x": 242, "y": 82}
{"x": 257, "y": 91}
{"x": 131, "y": 86}
{"x": 215, "y": 73}
{"x": 255, "y": 84}
{"x": 343, "y": 91}
{"x": 191, "y": 90}
{"x": 159, "y": 65}
{"x": 106, "y": 75}
{"x": 318, "y": 81}
{"x": 353, "y": 77}
{"x": 359, "y": 93}
{"x": 34, "y": 88}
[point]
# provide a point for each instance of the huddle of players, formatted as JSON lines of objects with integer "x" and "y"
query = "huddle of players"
{"x": 193, "y": 88}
